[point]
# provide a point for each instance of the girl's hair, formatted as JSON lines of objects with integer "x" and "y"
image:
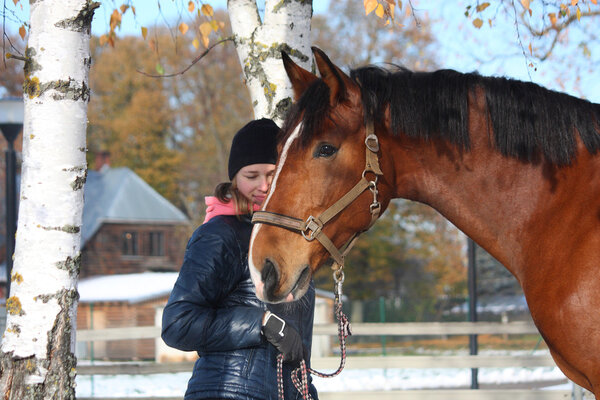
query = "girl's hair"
{"x": 227, "y": 191}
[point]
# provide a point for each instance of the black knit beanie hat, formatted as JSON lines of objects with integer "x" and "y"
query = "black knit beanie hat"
{"x": 255, "y": 143}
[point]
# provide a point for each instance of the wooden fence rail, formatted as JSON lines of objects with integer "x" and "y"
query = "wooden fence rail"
{"x": 331, "y": 363}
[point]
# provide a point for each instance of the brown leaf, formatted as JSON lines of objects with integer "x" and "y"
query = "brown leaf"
{"x": 144, "y": 32}
{"x": 207, "y": 10}
{"x": 183, "y": 28}
{"x": 482, "y": 7}
{"x": 22, "y": 32}
{"x": 477, "y": 23}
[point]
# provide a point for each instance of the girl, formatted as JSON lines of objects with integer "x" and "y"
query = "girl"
{"x": 213, "y": 308}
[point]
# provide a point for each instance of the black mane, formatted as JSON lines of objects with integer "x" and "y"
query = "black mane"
{"x": 529, "y": 121}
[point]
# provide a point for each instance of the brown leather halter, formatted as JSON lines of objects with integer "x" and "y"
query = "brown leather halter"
{"x": 312, "y": 228}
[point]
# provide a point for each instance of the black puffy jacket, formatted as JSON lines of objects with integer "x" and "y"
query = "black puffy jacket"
{"x": 213, "y": 310}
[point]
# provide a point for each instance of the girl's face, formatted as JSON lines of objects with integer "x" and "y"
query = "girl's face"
{"x": 253, "y": 181}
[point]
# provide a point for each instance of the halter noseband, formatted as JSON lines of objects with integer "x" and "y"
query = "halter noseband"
{"x": 312, "y": 228}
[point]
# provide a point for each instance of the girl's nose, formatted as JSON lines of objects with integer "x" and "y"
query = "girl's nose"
{"x": 264, "y": 184}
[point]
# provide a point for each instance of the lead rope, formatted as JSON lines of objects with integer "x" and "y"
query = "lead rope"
{"x": 300, "y": 374}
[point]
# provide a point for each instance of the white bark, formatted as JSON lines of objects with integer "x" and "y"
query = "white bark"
{"x": 43, "y": 298}
{"x": 286, "y": 27}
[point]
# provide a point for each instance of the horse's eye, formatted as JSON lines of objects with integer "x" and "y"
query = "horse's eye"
{"x": 325, "y": 150}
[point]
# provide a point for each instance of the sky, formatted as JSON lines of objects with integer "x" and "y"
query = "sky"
{"x": 462, "y": 47}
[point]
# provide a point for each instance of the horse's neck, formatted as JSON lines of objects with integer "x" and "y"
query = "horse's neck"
{"x": 499, "y": 202}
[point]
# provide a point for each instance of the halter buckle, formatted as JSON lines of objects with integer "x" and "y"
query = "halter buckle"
{"x": 313, "y": 226}
{"x": 372, "y": 143}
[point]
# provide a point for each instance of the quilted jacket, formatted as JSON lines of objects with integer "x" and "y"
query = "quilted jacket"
{"x": 214, "y": 311}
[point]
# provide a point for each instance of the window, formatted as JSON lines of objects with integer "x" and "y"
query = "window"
{"x": 130, "y": 243}
{"x": 156, "y": 244}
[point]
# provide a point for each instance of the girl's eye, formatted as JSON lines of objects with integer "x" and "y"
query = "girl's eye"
{"x": 326, "y": 150}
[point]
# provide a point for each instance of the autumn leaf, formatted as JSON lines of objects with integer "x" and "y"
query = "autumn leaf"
{"x": 191, "y": 6}
{"x": 482, "y": 7}
{"x": 525, "y": 4}
{"x": 124, "y": 8}
{"x": 205, "y": 29}
{"x": 160, "y": 69}
{"x": 207, "y": 10}
{"x": 578, "y": 14}
{"x": 370, "y": 5}
{"x": 477, "y": 23}
{"x": 574, "y": 2}
{"x": 379, "y": 11}
{"x": 196, "y": 43}
{"x": 144, "y": 32}
{"x": 22, "y": 32}
{"x": 205, "y": 41}
{"x": 15, "y": 1}
{"x": 133, "y": 10}
{"x": 183, "y": 28}
{"x": 553, "y": 18}
{"x": 595, "y": 2}
{"x": 103, "y": 40}
{"x": 530, "y": 49}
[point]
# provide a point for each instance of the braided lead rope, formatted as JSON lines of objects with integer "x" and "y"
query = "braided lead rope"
{"x": 300, "y": 374}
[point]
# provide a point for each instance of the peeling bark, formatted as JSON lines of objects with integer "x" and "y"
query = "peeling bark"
{"x": 286, "y": 27}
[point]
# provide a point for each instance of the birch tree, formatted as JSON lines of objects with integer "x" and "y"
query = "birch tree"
{"x": 285, "y": 27}
{"x": 37, "y": 355}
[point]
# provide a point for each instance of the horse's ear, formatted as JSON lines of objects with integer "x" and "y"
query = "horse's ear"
{"x": 341, "y": 87}
{"x": 300, "y": 78}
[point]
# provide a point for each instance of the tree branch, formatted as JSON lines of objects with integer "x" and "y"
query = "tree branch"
{"x": 201, "y": 56}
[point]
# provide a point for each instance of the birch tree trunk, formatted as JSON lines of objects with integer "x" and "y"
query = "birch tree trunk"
{"x": 37, "y": 358}
{"x": 286, "y": 27}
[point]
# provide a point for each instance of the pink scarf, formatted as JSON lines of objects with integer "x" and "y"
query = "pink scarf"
{"x": 216, "y": 207}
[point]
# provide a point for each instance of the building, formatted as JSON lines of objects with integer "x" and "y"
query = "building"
{"x": 133, "y": 241}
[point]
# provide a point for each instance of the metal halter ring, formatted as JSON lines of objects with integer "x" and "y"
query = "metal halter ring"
{"x": 372, "y": 143}
{"x": 313, "y": 226}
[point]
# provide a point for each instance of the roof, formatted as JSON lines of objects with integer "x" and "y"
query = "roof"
{"x": 135, "y": 288}
{"x": 130, "y": 288}
{"x": 118, "y": 195}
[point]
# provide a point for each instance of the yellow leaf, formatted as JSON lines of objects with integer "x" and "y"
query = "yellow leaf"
{"x": 370, "y": 5}
{"x": 183, "y": 28}
{"x": 22, "y": 32}
{"x": 379, "y": 11}
{"x": 215, "y": 25}
{"x": 205, "y": 29}
{"x": 477, "y": 23}
{"x": 191, "y": 6}
{"x": 144, "y": 32}
{"x": 392, "y": 7}
{"x": 553, "y": 18}
{"x": 525, "y": 4}
{"x": 207, "y": 10}
{"x": 574, "y": 2}
{"x": 205, "y": 41}
{"x": 196, "y": 43}
{"x": 103, "y": 40}
{"x": 530, "y": 49}
{"x": 482, "y": 7}
{"x": 578, "y": 14}
{"x": 595, "y": 1}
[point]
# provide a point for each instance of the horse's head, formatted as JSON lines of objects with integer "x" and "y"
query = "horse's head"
{"x": 323, "y": 157}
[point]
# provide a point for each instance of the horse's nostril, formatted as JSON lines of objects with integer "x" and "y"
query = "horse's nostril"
{"x": 269, "y": 276}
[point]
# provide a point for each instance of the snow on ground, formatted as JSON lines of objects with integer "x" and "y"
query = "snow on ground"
{"x": 163, "y": 385}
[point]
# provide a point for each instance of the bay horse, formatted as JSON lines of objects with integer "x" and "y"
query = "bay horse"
{"x": 513, "y": 165}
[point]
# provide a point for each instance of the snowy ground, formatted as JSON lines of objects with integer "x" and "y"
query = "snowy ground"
{"x": 349, "y": 380}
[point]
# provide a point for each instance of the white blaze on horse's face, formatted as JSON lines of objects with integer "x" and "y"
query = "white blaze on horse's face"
{"x": 254, "y": 273}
